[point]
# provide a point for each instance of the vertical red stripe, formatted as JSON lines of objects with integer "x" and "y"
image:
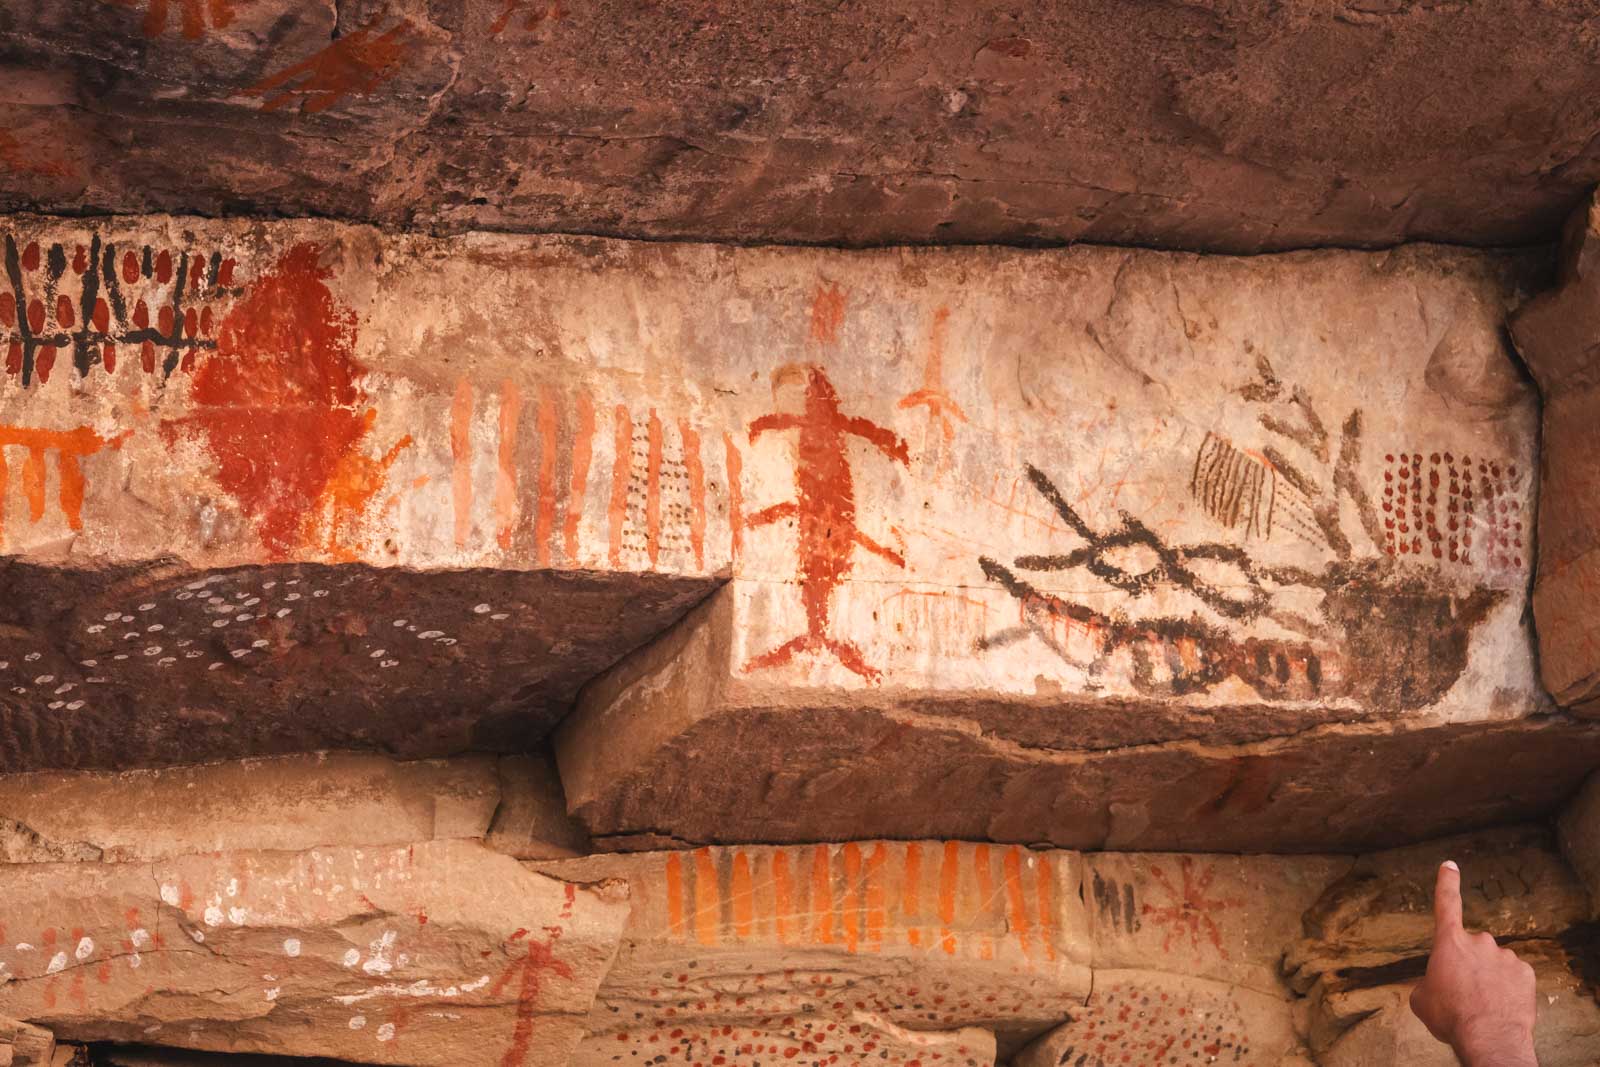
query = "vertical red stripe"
{"x": 696, "y": 472}
{"x": 549, "y": 439}
{"x": 735, "y": 499}
{"x": 620, "y": 471}
{"x": 582, "y": 445}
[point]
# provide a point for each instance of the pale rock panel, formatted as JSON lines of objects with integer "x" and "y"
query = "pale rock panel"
{"x": 903, "y": 946}
{"x": 287, "y": 803}
{"x": 441, "y": 953}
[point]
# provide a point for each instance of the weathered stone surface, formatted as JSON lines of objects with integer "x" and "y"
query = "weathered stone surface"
{"x": 439, "y": 953}
{"x": 1579, "y": 830}
{"x": 1238, "y": 127}
{"x": 531, "y": 822}
{"x": 1514, "y": 885}
{"x": 1222, "y": 918}
{"x": 1157, "y": 1019}
{"x": 289, "y": 804}
{"x": 1555, "y": 333}
{"x": 1120, "y": 576}
{"x": 860, "y": 941}
{"x": 22, "y": 1045}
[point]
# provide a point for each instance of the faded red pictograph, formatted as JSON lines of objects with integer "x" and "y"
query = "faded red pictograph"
{"x": 529, "y": 972}
{"x": 193, "y": 15}
{"x": 353, "y": 65}
{"x": 20, "y": 158}
{"x": 1191, "y": 910}
{"x": 825, "y": 509}
{"x": 942, "y": 410}
{"x": 533, "y": 14}
{"x": 281, "y": 413}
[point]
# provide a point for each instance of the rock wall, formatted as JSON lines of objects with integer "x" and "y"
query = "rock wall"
{"x": 447, "y": 951}
{"x": 1127, "y": 548}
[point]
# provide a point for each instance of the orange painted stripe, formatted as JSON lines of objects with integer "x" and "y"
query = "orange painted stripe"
{"x": 696, "y": 472}
{"x": 675, "y": 893}
{"x": 620, "y": 471}
{"x": 782, "y": 895}
{"x": 505, "y": 482}
{"x": 874, "y": 895}
{"x": 71, "y": 494}
{"x": 981, "y": 858}
{"x": 707, "y": 898}
{"x": 850, "y": 905}
{"x": 1047, "y": 908}
{"x": 909, "y": 906}
{"x": 582, "y": 446}
{"x": 949, "y": 878}
{"x": 652, "y": 489}
{"x": 549, "y": 441}
{"x": 821, "y": 896}
{"x": 735, "y": 499}
{"x": 1014, "y": 895}
{"x": 743, "y": 893}
{"x": 461, "y": 453}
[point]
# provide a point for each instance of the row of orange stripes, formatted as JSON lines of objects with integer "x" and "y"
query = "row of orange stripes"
{"x": 853, "y": 906}
{"x": 507, "y": 498}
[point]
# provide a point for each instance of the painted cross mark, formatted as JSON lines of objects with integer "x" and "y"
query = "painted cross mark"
{"x": 825, "y": 509}
{"x": 942, "y": 410}
{"x": 529, "y": 973}
{"x": 353, "y": 65}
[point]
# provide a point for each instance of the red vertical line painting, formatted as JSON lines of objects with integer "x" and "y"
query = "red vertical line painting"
{"x": 620, "y": 471}
{"x": 821, "y": 895}
{"x": 949, "y": 880}
{"x": 505, "y": 486}
{"x": 850, "y": 903}
{"x": 695, "y": 469}
{"x": 582, "y": 448}
{"x": 461, "y": 455}
{"x": 549, "y": 442}
{"x": 986, "y": 894}
{"x": 652, "y": 496}
{"x": 910, "y": 906}
{"x": 1014, "y": 896}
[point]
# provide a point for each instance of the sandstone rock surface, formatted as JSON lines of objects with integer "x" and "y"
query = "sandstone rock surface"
{"x": 439, "y": 953}
{"x": 1580, "y": 837}
{"x": 1555, "y": 334}
{"x": 1237, "y": 127}
{"x": 288, "y": 804}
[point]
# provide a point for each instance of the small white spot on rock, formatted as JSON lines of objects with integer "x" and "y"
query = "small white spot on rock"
{"x": 219, "y": 623}
{"x": 213, "y": 916}
{"x": 376, "y": 653}
{"x": 57, "y": 962}
{"x": 113, "y": 617}
{"x": 357, "y": 1021}
{"x": 428, "y": 635}
{"x": 319, "y": 593}
{"x": 154, "y": 628}
{"x": 272, "y": 994}
{"x": 153, "y": 650}
{"x": 239, "y": 653}
{"x": 291, "y": 946}
{"x": 75, "y": 705}
{"x": 260, "y": 643}
{"x": 140, "y": 937}
{"x": 169, "y": 895}
{"x": 198, "y": 935}
{"x": 147, "y": 607}
{"x": 44, "y": 679}
{"x": 351, "y": 958}
{"x": 386, "y": 1032}
{"x": 85, "y": 948}
{"x": 389, "y": 663}
{"x": 281, "y": 612}
{"x": 499, "y": 616}
{"x": 481, "y": 609}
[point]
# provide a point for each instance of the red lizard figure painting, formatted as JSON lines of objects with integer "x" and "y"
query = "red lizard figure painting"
{"x": 825, "y": 509}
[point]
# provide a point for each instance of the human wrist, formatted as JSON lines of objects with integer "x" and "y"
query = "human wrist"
{"x": 1499, "y": 1044}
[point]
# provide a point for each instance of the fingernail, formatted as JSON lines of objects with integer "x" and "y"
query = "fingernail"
{"x": 1452, "y": 865}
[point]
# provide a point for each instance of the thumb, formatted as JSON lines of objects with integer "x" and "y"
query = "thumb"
{"x": 1447, "y": 901}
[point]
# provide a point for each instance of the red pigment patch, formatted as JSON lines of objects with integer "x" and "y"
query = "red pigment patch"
{"x": 278, "y": 401}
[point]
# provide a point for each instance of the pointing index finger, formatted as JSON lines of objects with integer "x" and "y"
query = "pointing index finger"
{"x": 1447, "y": 900}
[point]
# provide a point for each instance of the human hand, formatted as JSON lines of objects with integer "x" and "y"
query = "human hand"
{"x": 1477, "y": 997}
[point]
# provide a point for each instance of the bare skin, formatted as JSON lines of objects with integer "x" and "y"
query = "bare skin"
{"x": 1477, "y": 997}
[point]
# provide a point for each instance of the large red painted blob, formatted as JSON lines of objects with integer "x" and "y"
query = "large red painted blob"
{"x": 277, "y": 404}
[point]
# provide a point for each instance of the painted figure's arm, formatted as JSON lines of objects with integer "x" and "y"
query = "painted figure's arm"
{"x": 1477, "y": 997}
{"x": 887, "y": 441}
{"x": 777, "y": 421}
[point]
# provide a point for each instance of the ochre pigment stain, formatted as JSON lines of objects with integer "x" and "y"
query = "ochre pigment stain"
{"x": 279, "y": 408}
